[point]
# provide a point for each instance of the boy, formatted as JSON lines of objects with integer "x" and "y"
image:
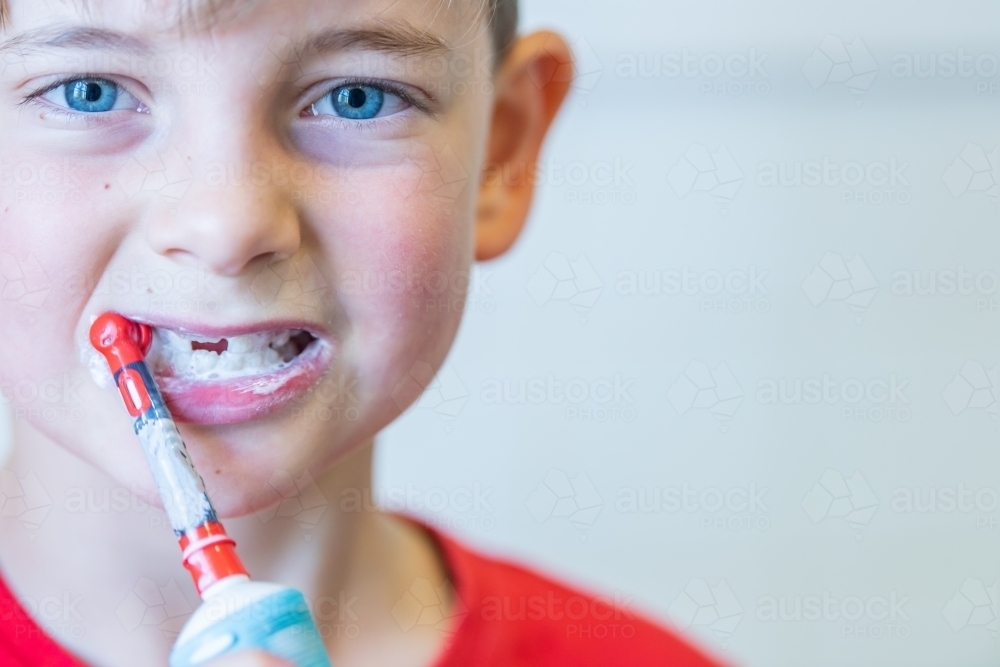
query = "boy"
{"x": 272, "y": 186}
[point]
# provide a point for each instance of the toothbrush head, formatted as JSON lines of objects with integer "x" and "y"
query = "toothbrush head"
{"x": 120, "y": 340}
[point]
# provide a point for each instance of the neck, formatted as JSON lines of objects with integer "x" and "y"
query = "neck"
{"x": 113, "y": 563}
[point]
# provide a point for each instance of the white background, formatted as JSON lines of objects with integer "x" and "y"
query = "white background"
{"x": 643, "y": 224}
{"x": 716, "y": 572}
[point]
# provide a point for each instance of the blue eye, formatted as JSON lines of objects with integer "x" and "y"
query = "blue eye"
{"x": 91, "y": 95}
{"x": 357, "y": 102}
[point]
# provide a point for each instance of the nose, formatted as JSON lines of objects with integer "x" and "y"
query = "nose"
{"x": 226, "y": 221}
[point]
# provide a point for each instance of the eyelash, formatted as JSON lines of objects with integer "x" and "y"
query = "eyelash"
{"x": 35, "y": 99}
{"x": 385, "y": 86}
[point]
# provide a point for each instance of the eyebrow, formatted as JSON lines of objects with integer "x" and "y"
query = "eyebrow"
{"x": 386, "y": 37}
{"x": 57, "y": 37}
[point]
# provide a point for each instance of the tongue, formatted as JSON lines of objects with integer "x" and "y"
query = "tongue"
{"x": 218, "y": 348}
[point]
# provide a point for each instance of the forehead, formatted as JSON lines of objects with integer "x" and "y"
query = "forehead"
{"x": 458, "y": 20}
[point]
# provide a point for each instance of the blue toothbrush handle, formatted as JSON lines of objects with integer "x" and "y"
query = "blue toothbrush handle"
{"x": 279, "y": 624}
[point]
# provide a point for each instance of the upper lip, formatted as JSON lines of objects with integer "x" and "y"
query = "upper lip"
{"x": 216, "y": 331}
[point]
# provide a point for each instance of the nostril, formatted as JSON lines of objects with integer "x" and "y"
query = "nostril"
{"x": 218, "y": 347}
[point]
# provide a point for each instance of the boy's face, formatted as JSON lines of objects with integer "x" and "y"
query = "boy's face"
{"x": 305, "y": 166}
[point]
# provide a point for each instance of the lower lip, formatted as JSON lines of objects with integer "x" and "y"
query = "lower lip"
{"x": 237, "y": 400}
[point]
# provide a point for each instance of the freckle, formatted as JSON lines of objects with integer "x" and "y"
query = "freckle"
{"x": 149, "y": 290}
{"x": 107, "y": 186}
{"x": 218, "y": 471}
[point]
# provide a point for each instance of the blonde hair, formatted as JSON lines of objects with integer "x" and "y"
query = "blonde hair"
{"x": 503, "y": 20}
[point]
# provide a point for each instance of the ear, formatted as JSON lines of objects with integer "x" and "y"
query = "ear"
{"x": 529, "y": 87}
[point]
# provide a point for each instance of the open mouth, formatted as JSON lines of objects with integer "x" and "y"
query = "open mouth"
{"x": 197, "y": 358}
{"x": 237, "y": 378}
{"x": 226, "y": 379}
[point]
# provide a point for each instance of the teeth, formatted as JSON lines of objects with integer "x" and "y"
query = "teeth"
{"x": 231, "y": 362}
{"x": 203, "y": 362}
{"x": 173, "y": 340}
{"x": 249, "y": 354}
{"x": 281, "y": 339}
{"x": 244, "y": 344}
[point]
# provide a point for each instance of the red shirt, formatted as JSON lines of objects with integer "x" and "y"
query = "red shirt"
{"x": 505, "y": 616}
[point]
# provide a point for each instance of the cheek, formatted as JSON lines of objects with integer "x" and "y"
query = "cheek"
{"x": 401, "y": 254}
{"x": 52, "y": 249}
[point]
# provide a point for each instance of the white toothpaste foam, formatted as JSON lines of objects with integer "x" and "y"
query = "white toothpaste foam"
{"x": 172, "y": 354}
{"x": 180, "y": 485}
{"x": 99, "y": 370}
{"x": 246, "y": 355}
